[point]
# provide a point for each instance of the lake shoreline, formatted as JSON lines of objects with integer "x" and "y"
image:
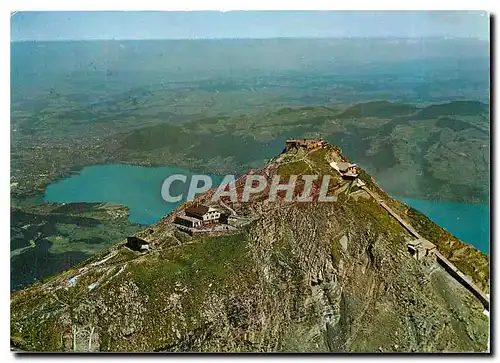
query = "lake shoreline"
{"x": 139, "y": 188}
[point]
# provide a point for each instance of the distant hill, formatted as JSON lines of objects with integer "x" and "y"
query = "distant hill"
{"x": 461, "y": 108}
{"x": 381, "y": 109}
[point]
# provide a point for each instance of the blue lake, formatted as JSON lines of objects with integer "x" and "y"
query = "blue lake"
{"x": 139, "y": 188}
{"x": 468, "y": 222}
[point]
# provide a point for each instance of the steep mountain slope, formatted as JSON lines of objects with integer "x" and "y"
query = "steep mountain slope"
{"x": 296, "y": 276}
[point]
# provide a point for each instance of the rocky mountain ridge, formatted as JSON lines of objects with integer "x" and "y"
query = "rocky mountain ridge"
{"x": 297, "y": 277}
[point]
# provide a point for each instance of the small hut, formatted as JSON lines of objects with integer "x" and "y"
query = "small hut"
{"x": 137, "y": 244}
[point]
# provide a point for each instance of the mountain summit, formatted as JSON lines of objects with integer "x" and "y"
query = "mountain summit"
{"x": 363, "y": 273}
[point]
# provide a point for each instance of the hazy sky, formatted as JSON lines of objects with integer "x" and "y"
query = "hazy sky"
{"x": 245, "y": 24}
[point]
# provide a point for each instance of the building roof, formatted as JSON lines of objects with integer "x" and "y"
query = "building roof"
{"x": 349, "y": 174}
{"x": 136, "y": 240}
{"x": 343, "y": 166}
{"x": 424, "y": 243}
{"x": 198, "y": 210}
{"x": 190, "y": 219}
{"x": 304, "y": 141}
